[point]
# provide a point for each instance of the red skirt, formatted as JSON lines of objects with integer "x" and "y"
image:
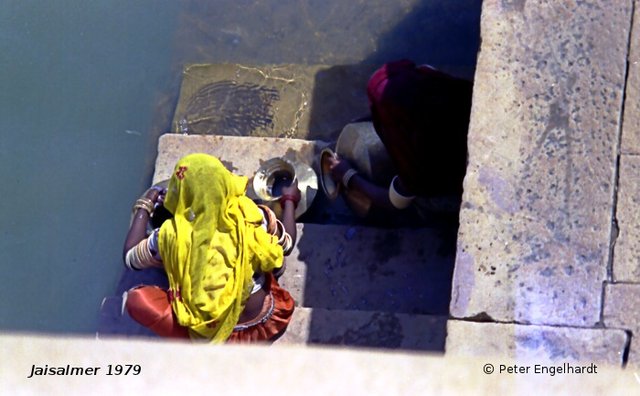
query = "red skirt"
{"x": 150, "y": 306}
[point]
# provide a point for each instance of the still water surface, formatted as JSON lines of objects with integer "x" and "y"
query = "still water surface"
{"x": 86, "y": 88}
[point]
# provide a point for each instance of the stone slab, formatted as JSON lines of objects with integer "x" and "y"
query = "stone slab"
{"x": 535, "y": 223}
{"x": 371, "y": 269}
{"x": 626, "y": 262}
{"x": 621, "y": 302}
{"x": 317, "y": 326}
{"x": 292, "y": 101}
{"x": 241, "y": 155}
{"x": 244, "y": 155}
{"x": 535, "y": 344}
{"x": 630, "y": 142}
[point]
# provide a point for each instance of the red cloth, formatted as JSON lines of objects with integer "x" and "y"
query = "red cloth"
{"x": 150, "y": 306}
{"x": 422, "y": 117}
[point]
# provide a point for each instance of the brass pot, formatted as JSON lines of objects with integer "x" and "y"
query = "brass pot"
{"x": 276, "y": 173}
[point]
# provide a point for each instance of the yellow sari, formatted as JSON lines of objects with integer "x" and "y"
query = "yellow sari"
{"x": 212, "y": 246}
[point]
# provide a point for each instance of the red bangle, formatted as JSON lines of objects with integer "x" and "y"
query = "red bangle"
{"x": 289, "y": 197}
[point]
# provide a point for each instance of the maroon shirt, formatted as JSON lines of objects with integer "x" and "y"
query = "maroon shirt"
{"x": 422, "y": 117}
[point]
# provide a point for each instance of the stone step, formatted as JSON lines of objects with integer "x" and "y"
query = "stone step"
{"x": 371, "y": 269}
{"x": 316, "y": 326}
{"x": 244, "y": 155}
{"x": 349, "y": 328}
{"x": 357, "y": 268}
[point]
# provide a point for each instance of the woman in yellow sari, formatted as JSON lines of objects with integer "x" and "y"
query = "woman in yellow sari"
{"x": 220, "y": 251}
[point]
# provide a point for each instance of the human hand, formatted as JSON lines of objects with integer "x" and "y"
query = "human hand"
{"x": 156, "y": 194}
{"x": 338, "y": 168}
{"x": 292, "y": 190}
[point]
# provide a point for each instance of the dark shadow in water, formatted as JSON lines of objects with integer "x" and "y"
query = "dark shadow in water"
{"x": 443, "y": 34}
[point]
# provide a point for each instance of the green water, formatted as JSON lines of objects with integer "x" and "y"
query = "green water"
{"x": 86, "y": 88}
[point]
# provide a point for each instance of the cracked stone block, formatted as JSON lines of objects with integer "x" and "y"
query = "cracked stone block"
{"x": 535, "y": 344}
{"x": 292, "y": 101}
{"x": 621, "y": 302}
{"x": 371, "y": 269}
{"x": 366, "y": 329}
{"x": 626, "y": 262}
{"x": 631, "y": 127}
{"x": 535, "y": 222}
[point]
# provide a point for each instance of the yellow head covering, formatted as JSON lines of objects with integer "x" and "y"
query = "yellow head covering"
{"x": 212, "y": 246}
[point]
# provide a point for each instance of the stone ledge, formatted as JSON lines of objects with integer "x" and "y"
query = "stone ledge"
{"x": 535, "y": 222}
{"x": 241, "y": 155}
{"x": 631, "y": 128}
{"x": 369, "y": 269}
{"x": 536, "y": 344}
{"x": 365, "y": 329}
{"x": 626, "y": 263}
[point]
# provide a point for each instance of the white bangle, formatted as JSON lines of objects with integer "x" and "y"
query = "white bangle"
{"x": 398, "y": 200}
{"x": 347, "y": 177}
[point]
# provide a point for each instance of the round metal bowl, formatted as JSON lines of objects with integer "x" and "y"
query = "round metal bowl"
{"x": 276, "y": 173}
{"x": 330, "y": 188}
{"x": 272, "y": 176}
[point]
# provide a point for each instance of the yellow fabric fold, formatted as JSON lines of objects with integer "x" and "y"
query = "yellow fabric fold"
{"x": 212, "y": 246}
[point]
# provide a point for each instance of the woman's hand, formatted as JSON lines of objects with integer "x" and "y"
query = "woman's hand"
{"x": 290, "y": 198}
{"x": 156, "y": 194}
{"x": 338, "y": 168}
{"x": 293, "y": 191}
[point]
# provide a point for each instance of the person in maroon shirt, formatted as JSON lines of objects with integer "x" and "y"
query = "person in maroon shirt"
{"x": 421, "y": 116}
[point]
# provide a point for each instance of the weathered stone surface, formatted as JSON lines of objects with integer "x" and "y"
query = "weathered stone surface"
{"x": 631, "y": 124}
{"x": 302, "y": 101}
{"x": 633, "y": 361}
{"x": 626, "y": 263}
{"x": 369, "y": 269}
{"x": 241, "y": 155}
{"x": 535, "y": 222}
{"x": 621, "y": 302}
{"x": 244, "y": 155}
{"x": 366, "y": 329}
{"x": 536, "y": 344}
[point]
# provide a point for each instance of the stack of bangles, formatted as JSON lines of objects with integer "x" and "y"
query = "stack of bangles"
{"x": 346, "y": 178}
{"x": 398, "y": 200}
{"x": 285, "y": 239}
{"x": 276, "y": 228}
{"x": 143, "y": 203}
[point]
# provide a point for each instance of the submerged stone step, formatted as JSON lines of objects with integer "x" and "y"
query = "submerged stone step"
{"x": 292, "y": 100}
{"x": 365, "y": 329}
{"x": 371, "y": 269}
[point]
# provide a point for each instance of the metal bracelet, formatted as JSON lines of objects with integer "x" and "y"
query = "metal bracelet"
{"x": 347, "y": 177}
